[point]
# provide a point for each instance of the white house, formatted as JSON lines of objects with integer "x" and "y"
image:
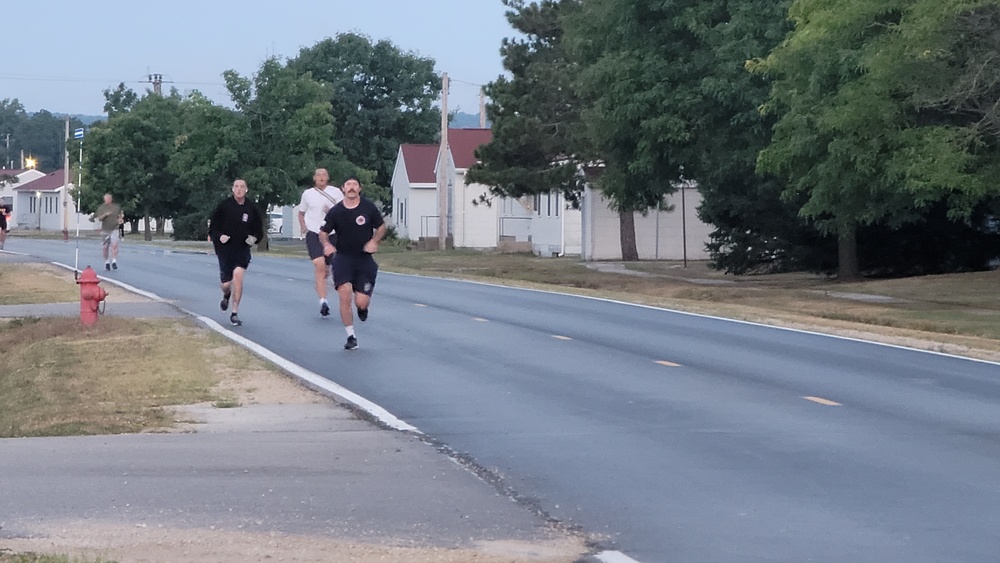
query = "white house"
{"x": 414, "y": 192}
{"x": 476, "y": 219}
{"x": 543, "y": 224}
{"x": 7, "y": 188}
{"x": 39, "y": 203}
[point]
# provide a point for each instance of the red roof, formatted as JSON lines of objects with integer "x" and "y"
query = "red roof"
{"x": 420, "y": 161}
{"x": 463, "y": 144}
{"x": 47, "y": 183}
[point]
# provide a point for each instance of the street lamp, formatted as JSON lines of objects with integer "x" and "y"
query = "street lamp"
{"x": 38, "y": 195}
{"x": 31, "y": 162}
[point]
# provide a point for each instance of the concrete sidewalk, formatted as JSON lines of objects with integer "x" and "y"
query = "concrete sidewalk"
{"x": 303, "y": 482}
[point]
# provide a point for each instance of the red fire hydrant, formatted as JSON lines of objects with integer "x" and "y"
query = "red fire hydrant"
{"x": 90, "y": 296}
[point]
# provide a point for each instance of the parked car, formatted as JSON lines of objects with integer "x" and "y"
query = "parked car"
{"x": 275, "y": 222}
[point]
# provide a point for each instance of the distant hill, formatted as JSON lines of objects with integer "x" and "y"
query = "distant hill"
{"x": 88, "y": 120}
{"x": 466, "y": 121}
{"x": 459, "y": 120}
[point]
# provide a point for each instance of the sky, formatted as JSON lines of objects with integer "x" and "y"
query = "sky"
{"x": 61, "y": 55}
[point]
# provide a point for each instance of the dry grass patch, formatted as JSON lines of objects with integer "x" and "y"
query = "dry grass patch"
{"x": 115, "y": 377}
{"x": 27, "y": 284}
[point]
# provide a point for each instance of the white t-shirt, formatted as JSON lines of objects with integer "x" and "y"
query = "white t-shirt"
{"x": 315, "y": 205}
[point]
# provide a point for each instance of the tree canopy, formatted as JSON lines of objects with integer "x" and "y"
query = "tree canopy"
{"x": 378, "y": 95}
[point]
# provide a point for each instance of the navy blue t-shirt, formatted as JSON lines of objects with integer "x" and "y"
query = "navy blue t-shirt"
{"x": 354, "y": 227}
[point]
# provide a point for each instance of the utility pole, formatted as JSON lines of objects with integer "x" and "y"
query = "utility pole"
{"x": 157, "y": 81}
{"x": 442, "y": 168}
{"x": 482, "y": 108}
{"x": 65, "y": 193}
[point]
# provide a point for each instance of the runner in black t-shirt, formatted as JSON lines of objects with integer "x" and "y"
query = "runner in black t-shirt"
{"x": 360, "y": 228}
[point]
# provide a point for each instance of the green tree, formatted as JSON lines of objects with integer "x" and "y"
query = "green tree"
{"x": 640, "y": 64}
{"x": 128, "y": 157}
{"x": 287, "y": 132}
{"x": 205, "y": 160}
{"x": 12, "y": 116}
{"x": 119, "y": 100}
{"x": 40, "y": 135}
{"x": 755, "y": 230}
{"x": 535, "y": 113}
{"x": 852, "y": 139}
{"x": 379, "y": 97}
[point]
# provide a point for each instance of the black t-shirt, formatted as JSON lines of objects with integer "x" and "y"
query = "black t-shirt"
{"x": 237, "y": 221}
{"x": 354, "y": 227}
{"x": 3, "y": 219}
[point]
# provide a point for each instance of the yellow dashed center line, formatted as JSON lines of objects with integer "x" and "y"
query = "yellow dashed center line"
{"x": 668, "y": 364}
{"x": 559, "y": 337}
{"x": 823, "y": 401}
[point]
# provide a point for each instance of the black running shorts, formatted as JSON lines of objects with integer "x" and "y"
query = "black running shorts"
{"x": 231, "y": 258}
{"x": 359, "y": 271}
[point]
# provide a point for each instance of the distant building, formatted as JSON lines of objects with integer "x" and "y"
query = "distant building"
{"x": 543, "y": 224}
{"x": 23, "y": 175}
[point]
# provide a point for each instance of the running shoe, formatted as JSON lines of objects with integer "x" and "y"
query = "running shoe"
{"x": 324, "y": 309}
{"x": 107, "y": 266}
{"x": 363, "y": 314}
{"x": 234, "y": 319}
{"x": 352, "y": 343}
{"x": 224, "y": 304}
{"x": 114, "y": 265}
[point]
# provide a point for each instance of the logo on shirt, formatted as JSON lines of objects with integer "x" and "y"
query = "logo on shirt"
{"x": 246, "y": 217}
{"x": 361, "y": 220}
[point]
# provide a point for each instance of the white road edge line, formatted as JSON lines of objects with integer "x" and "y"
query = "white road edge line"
{"x": 379, "y": 413}
{"x": 614, "y": 557}
{"x": 679, "y": 312}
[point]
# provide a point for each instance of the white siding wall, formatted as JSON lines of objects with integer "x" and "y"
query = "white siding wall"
{"x": 555, "y": 230}
{"x": 659, "y": 235}
{"x": 573, "y": 237}
{"x": 400, "y": 192}
{"x": 422, "y": 212}
{"x": 473, "y": 226}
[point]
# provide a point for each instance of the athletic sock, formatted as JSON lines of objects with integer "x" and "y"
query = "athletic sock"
{"x": 350, "y": 330}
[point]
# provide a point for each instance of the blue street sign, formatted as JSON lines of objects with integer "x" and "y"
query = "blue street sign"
{"x": 78, "y": 134}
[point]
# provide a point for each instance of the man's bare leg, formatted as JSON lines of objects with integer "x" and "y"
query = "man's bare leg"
{"x": 237, "y": 288}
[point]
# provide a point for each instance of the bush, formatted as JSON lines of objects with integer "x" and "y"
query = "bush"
{"x": 193, "y": 226}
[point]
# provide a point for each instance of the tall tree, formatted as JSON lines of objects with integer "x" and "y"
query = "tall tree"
{"x": 850, "y": 139}
{"x": 755, "y": 230}
{"x": 535, "y": 113}
{"x": 205, "y": 160}
{"x": 379, "y": 97}
{"x": 12, "y": 116}
{"x": 640, "y": 63}
{"x": 128, "y": 157}
{"x": 288, "y": 130}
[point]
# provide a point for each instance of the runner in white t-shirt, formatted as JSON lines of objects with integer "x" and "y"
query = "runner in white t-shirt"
{"x": 315, "y": 202}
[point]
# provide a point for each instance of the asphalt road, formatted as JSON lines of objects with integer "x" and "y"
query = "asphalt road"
{"x": 675, "y": 437}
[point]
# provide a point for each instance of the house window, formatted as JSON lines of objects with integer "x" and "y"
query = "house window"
{"x": 548, "y": 204}
{"x": 538, "y": 204}
{"x": 558, "y": 202}
{"x": 31, "y": 205}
